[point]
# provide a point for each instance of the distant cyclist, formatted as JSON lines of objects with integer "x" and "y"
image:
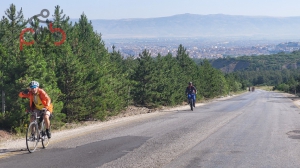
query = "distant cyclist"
{"x": 39, "y": 102}
{"x": 191, "y": 90}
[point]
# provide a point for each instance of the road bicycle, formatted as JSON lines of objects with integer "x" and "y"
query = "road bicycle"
{"x": 191, "y": 100}
{"x": 36, "y": 132}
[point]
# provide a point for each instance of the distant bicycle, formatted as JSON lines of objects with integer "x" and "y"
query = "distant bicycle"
{"x": 191, "y": 100}
{"x": 36, "y": 133}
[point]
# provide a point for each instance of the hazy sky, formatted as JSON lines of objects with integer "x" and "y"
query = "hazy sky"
{"x": 120, "y": 9}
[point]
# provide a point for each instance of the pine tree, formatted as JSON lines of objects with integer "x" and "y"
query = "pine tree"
{"x": 213, "y": 81}
{"x": 71, "y": 78}
{"x": 11, "y": 27}
{"x": 122, "y": 76}
{"x": 179, "y": 96}
{"x": 3, "y": 76}
{"x": 187, "y": 65}
{"x": 143, "y": 77}
{"x": 171, "y": 85}
{"x": 61, "y": 21}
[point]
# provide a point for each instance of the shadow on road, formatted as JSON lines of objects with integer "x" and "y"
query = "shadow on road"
{"x": 11, "y": 150}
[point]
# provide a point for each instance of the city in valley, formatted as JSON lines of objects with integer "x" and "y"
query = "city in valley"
{"x": 201, "y": 47}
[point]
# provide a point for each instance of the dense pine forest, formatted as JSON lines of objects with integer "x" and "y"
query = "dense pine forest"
{"x": 280, "y": 70}
{"x": 84, "y": 80}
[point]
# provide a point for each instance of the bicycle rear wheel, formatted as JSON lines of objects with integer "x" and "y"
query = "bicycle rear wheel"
{"x": 45, "y": 139}
{"x": 32, "y": 137}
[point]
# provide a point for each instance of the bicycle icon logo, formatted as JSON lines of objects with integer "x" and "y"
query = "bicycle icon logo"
{"x": 52, "y": 30}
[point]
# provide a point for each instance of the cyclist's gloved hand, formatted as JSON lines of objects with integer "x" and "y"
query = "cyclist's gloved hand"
{"x": 26, "y": 91}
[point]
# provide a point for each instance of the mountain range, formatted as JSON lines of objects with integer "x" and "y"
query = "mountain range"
{"x": 194, "y": 25}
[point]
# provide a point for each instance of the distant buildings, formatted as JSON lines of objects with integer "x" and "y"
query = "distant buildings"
{"x": 201, "y": 49}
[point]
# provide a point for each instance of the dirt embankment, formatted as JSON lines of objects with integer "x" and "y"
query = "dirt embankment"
{"x": 4, "y": 135}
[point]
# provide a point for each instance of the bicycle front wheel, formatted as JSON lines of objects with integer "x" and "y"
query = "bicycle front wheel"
{"x": 45, "y": 139}
{"x": 32, "y": 137}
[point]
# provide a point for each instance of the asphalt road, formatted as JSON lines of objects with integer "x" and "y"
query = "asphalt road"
{"x": 255, "y": 129}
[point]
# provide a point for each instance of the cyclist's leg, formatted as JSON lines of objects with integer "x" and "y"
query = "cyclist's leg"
{"x": 194, "y": 98}
{"x": 45, "y": 139}
{"x": 189, "y": 98}
{"x": 47, "y": 119}
{"x": 47, "y": 123}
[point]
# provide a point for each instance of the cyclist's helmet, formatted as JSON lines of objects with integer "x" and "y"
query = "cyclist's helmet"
{"x": 190, "y": 83}
{"x": 34, "y": 84}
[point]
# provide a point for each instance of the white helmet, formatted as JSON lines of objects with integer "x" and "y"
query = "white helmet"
{"x": 34, "y": 84}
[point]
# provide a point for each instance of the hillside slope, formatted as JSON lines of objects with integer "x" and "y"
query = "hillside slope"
{"x": 255, "y": 63}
